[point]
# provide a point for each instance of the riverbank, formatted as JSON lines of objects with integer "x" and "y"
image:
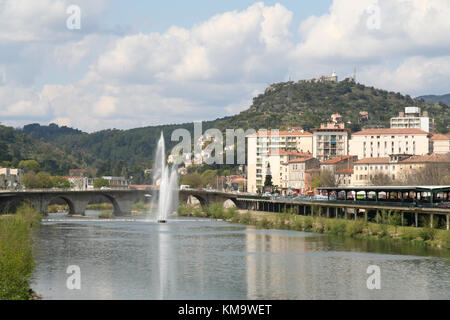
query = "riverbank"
{"x": 16, "y": 253}
{"x": 387, "y": 228}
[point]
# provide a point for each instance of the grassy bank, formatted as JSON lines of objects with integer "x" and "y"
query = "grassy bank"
{"x": 16, "y": 253}
{"x": 387, "y": 226}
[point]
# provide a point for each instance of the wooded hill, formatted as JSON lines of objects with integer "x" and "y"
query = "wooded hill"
{"x": 282, "y": 105}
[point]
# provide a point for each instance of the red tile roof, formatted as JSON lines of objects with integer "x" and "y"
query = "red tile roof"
{"x": 346, "y": 171}
{"x": 299, "y": 160}
{"x": 428, "y": 158}
{"x": 440, "y": 137}
{"x": 289, "y": 153}
{"x": 336, "y": 160}
{"x": 390, "y": 131}
{"x": 373, "y": 160}
{"x": 281, "y": 133}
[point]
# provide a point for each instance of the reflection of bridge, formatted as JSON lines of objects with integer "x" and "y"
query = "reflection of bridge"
{"x": 122, "y": 200}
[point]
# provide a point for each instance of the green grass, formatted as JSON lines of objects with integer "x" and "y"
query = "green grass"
{"x": 106, "y": 215}
{"x": 100, "y": 206}
{"x": 16, "y": 253}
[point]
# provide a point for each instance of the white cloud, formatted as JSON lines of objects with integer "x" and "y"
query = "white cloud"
{"x": 213, "y": 68}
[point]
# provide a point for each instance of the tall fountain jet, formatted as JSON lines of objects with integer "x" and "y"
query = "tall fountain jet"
{"x": 167, "y": 180}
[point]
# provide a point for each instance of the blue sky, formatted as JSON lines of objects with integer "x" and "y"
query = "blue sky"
{"x": 157, "y": 16}
{"x": 140, "y": 63}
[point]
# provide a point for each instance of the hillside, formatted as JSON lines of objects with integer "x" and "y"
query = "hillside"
{"x": 283, "y": 104}
{"x": 16, "y": 146}
{"x": 308, "y": 104}
{"x": 436, "y": 99}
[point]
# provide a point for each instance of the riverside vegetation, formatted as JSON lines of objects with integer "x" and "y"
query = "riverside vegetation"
{"x": 16, "y": 253}
{"x": 387, "y": 225}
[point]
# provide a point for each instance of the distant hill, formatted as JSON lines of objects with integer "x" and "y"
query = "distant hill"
{"x": 436, "y": 99}
{"x": 308, "y": 104}
{"x": 50, "y": 132}
{"x": 16, "y": 146}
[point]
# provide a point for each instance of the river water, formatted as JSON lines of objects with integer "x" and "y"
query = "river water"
{"x": 191, "y": 258}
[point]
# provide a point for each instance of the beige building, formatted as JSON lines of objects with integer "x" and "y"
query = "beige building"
{"x": 381, "y": 143}
{"x": 396, "y": 167}
{"x": 274, "y": 148}
{"x": 10, "y": 178}
{"x": 440, "y": 143}
{"x": 297, "y": 176}
{"x": 331, "y": 140}
{"x": 365, "y": 169}
{"x": 409, "y": 165}
{"x": 412, "y": 118}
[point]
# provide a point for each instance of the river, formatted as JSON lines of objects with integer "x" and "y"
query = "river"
{"x": 191, "y": 258}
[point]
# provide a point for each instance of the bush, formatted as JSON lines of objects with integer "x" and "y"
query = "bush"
{"x": 337, "y": 227}
{"x": 246, "y": 218}
{"x": 307, "y": 224}
{"x": 445, "y": 239}
{"x": 354, "y": 228}
{"x": 106, "y": 215}
{"x": 265, "y": 224}
{"x": 409, "y": 234}
{"x": 16, "y": 254}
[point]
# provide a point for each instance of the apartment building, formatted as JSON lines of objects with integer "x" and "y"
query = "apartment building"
{"x": 412, "y": 118}
{"x": 365, "y": 169}
{"x": 440, "y": 144}
{"x": 331, "y": 140}
{"x": 409, "y": 165}
{"x": 381, "y": 143}
{"x": 297, "y": 173}
{"x": 274, "y": 148}
{"x": 396, "y": 167}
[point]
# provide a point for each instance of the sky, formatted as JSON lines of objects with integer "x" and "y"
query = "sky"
{"x": 119, "y": 64}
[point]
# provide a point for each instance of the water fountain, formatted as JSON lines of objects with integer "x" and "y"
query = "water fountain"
{"x": 167, "y": 180}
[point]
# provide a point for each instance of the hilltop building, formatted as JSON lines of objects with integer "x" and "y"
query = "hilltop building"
{"x": 322, "y": 79}
{"x": 412, "y": 118}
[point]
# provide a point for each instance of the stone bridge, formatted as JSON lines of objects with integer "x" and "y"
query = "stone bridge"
{"x": 122, "y": 200}
{"x": 206, "y": 197}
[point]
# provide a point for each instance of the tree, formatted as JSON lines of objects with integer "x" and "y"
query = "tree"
{"x": 61, "y": 183}
{"x": 29, "y": 165}
{"x": 431, "y": 174}
{"x": 192, "y": 179}
{"x": 381, "y": 179}
{"x": 100, "y": 183}
{"x": 41, "y": 180}
{"x": 268, "y": 180}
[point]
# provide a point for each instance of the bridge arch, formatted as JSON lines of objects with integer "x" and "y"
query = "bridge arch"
{"x": 67, "y": 200}
{"x": 11, "y": 204}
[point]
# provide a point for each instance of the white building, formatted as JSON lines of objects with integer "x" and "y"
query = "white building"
{"x": 274, "y": 147}
{"x": 412, "y": 118}
{"x": 381, "y": 143}
{"x": 440, "y": 144}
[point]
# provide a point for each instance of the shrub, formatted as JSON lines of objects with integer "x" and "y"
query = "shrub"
{"x": 246, "y": 218}
{"x": 307, "y": 224}
{"x": 409, "y": 234}
{"x": 106, "y": 215}
{"x": 354, "y": 228}
{"x": 16, "y": 254}
{"x": 337, "y": 227}
{"x": 445, "y": 239}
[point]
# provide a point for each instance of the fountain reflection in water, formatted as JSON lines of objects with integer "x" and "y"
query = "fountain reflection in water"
{"x": 166, "y": 179}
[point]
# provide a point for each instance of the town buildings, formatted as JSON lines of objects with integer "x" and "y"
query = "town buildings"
{"x": 270, "y": 149}
{"x": 297, "y": 174}
{"x": 10, "y": 178}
